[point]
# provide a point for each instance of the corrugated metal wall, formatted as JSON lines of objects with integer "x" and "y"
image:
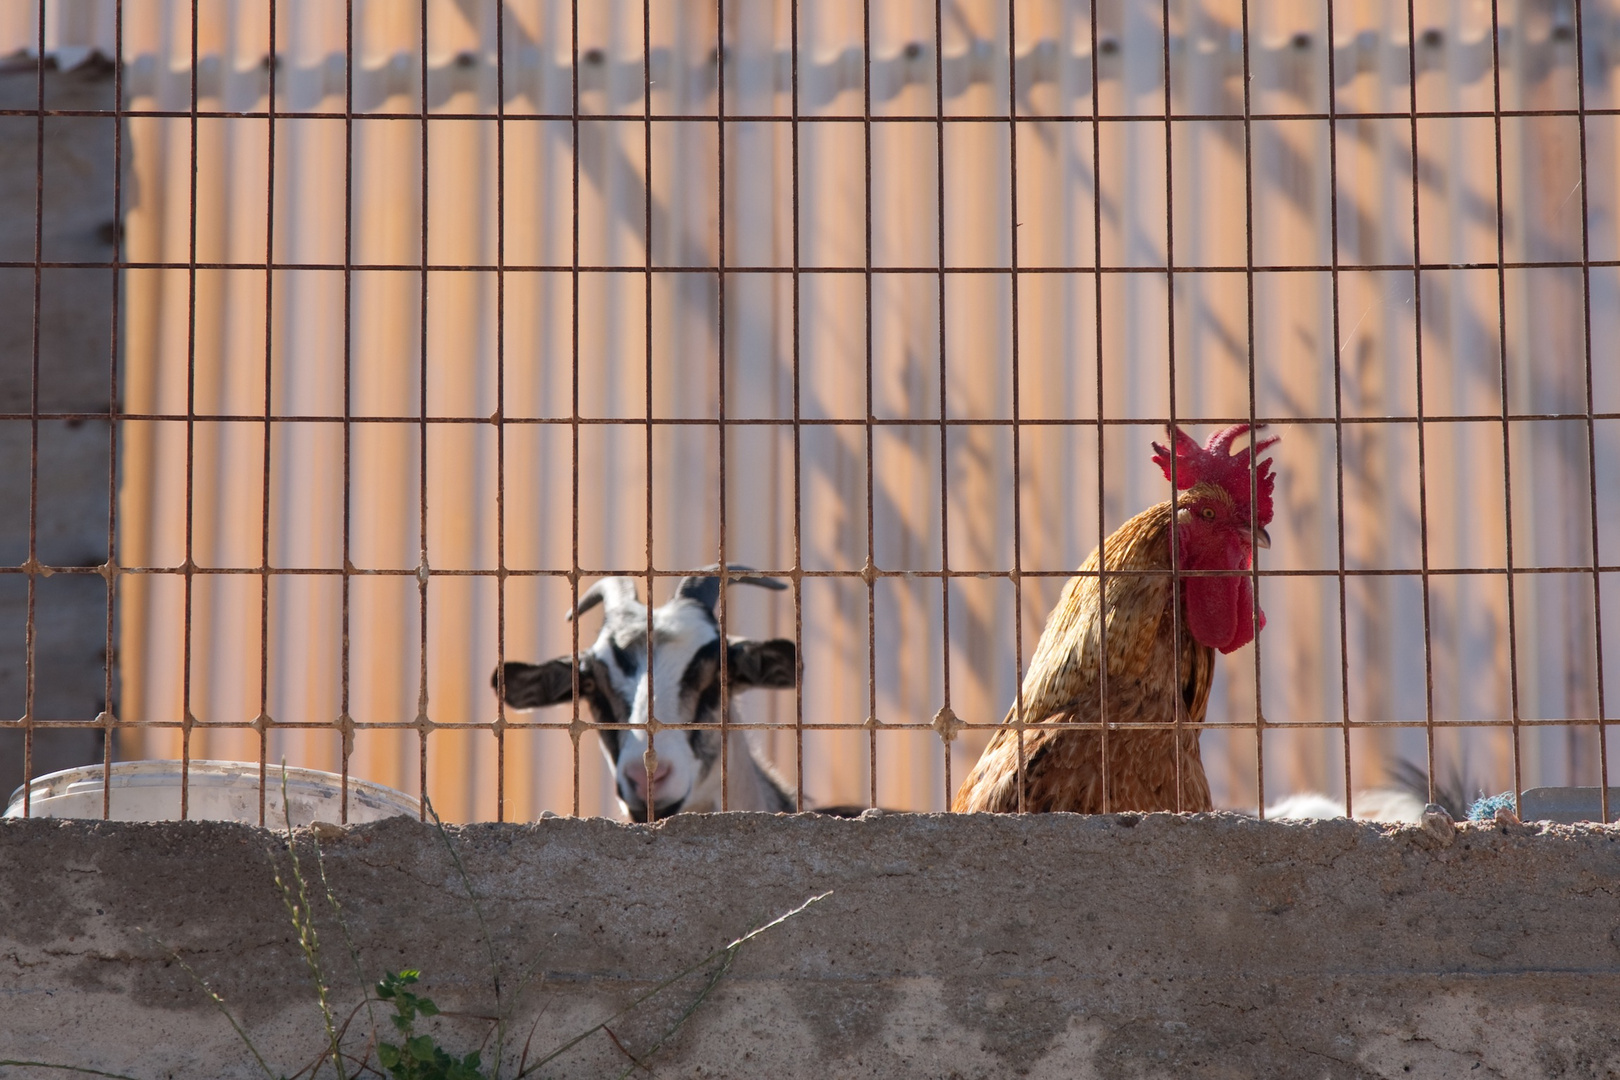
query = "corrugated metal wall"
{"x": 1335, "y": 336}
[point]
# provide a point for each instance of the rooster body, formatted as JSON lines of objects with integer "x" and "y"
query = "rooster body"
{"x": 1160, "y": 661}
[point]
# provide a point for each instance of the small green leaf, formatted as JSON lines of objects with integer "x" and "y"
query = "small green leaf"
{"x": 388, "y": 1054}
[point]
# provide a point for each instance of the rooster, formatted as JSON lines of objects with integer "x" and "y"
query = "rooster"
{"x": 1160, "y": 661}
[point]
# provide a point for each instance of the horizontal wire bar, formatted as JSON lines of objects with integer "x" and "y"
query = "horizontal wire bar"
{"x": 860, "y": 573}
{"x": 882, "y": 77}
{"x": 834, "y": 421}
{"x": 860, "y": 725}
{"x": 786, "y": 120}
{"x": 861, "y": 271}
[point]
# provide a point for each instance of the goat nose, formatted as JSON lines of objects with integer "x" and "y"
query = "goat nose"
{"x": 635, "y": 771}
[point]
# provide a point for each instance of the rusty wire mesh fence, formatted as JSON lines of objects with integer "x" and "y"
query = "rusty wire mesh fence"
{"x": 385, "y": 329}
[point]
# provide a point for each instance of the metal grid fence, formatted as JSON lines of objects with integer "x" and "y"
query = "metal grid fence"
{"x": 421, "y": 320}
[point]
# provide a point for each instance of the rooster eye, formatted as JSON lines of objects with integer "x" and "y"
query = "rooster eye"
{"x": 1209, "y": 513}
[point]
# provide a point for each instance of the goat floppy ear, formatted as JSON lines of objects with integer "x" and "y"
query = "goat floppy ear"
{"x": 772, "y": 664}
{"x": 531, "y": 686}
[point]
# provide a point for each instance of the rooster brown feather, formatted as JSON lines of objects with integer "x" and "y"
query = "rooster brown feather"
{"x": 1159, "y": 662}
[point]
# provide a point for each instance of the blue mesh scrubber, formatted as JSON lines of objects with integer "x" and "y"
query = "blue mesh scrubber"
{"x": 1486, "y": 806}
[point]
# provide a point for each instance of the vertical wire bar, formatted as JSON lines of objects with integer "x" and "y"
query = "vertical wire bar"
{"x": 1102, "y": 411}
{"x": 870, "y": 570}
{"x": 263, "y": 720}
{"x": 110, "y": 569}
{"x": 1507, "y": 459}
{"x": 798, "y": 447}
{"x": 649, "y": 757}
{"x": 345, "y": 718}
{"x": 33, "y": 423}
{"x": 944, "y": 430}
{"x": 1338, "y": 405}
{"x": 499, "y": 420}
{"x": 1591, "y": 424}
{"x": 1017, "y": 459}
{"x": 187, "y": 720}
{"x": 1170, "y": 343}
{"x": 575, "y": 728}
{"x": 1417, "y": 356}
{"x": 423, "y": 573}
{"x": 720, "y": 385}
{"x": 1248, "y": 299}
{"x": 1022, "y": 772}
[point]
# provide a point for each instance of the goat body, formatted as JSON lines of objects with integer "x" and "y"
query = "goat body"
{"x": 1374, "y": 804}
{"x": 1404, "y": 799}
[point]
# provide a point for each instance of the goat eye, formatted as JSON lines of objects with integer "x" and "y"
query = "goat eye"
{"x": 1209, "y": 513}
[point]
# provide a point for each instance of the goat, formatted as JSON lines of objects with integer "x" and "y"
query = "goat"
{"x": 1374, "y": 804}
{"x": 684, "y": 685}
{"x": 1402, "y": 802}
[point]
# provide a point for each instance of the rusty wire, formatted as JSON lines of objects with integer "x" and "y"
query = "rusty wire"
{"x": 945, "y": 723}
{"x": 1591, "y": 432}
{"x": 28, "y": 720}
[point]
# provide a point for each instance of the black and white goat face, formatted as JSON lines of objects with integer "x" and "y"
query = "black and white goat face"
{"x": 682, "y": 687}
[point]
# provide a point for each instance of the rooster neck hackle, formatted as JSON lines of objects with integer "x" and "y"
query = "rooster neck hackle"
{"x": 1134, "y": 603}
{"x": 1147, "y": 646}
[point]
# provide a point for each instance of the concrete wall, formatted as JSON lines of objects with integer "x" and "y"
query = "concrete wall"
{"x": 1120, "y": 946}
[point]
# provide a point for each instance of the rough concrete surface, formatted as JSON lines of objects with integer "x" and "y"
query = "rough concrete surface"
{"x": 1117, "y": 946}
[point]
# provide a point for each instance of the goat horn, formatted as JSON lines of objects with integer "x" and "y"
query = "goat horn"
{"x": 614, "y": 593}
{"x": 705, "y": 588}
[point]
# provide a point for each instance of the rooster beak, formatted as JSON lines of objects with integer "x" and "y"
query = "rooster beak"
{"x": 1261, "y": 537}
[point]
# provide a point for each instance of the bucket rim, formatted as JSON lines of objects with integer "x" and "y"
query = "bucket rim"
{"x": 159, "y": 772}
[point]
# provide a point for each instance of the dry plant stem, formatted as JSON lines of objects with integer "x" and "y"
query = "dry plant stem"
{"x": 523, "y": 1060}
{"x": 725, "y": 950}
{"x": 525, "y": 977}
{"x": 215, "y": 998}
{"x": 343, "y": 1032}
{"x": 680, "y": 1021}
{"x": 64, "y": 1068}
{"x": 343, "y": 926}
{"x": 635, "y": 1062}
{"x": 303, "y": 921}
{"x": 483, "y": 928}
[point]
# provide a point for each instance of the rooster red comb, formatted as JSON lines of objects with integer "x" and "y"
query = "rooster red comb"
{"x": 1215, "y": 463}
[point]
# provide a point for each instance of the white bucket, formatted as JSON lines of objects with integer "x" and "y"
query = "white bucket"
{"x": 218, "y": 791}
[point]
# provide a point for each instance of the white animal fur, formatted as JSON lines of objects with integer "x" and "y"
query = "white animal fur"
{"x": 683, "y": 689}
{"x": 1377, "y": 804}
{"x": 679, "y": 631}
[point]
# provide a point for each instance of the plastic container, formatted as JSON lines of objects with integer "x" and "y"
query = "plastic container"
{"x": 218, "y": 791}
